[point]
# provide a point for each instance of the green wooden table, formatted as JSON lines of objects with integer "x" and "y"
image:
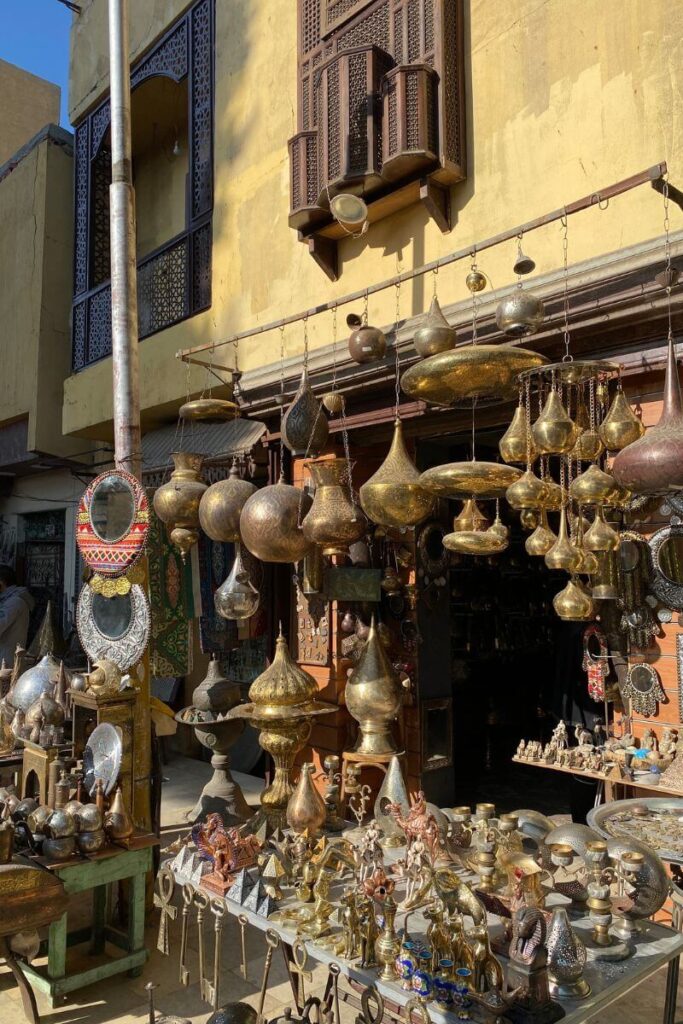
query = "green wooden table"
{"x": 95, "y": 874}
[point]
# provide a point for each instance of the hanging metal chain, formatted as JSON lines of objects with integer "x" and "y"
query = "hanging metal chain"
{"x": 667, "y": 254}
{"x": 365, "y": 307}
{"x": 397, "y": 362}
{"x": 527, "y": 395}
{"x": 282, "y": 398}
{"x": 435, "y": 274}
{"x": 334, "y": 347}
{"x": 567, "y": 357}
{"x": 306, "y": 344}
{"x": 591, "y": 402}
{"x": 473, "y": 268}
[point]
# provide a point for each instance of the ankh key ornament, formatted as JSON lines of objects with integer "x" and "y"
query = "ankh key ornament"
{"x": 162, "y": 900}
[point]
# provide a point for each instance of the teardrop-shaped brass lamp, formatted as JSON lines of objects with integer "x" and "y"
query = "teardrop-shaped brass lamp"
{"x": 513, "y": 444}
{"x": 574, "y": 603}
{"x": 469, "y": 518}
{"x": 563, "y": 554}
{"x": 394, "y": 496}
{"x": 600, "y": 536}
{"x": 270, "y": 523}
{"x": 373, "y": 697}
{"x": 620, "y": 426}
{"x": 542, "y": 539}
{"x": 554, "y": 432}
{"x": 588, "y": 566}
{"x": 478, "y": 479}
{"x": 588, "y": 444}
{"x": 499, "y": 529}
{"x": 304, "y": 427}
{"x": 435, "y": 334}
{"x": 487, "y": 372}
{"x": 654, "y": 463}
{"x": 527, "y": 492}
{"x": 593, "y": 487}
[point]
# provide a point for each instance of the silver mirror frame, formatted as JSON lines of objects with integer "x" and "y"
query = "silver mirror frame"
{"x": 126, "y": 650}
{"x": 667, "y": 592}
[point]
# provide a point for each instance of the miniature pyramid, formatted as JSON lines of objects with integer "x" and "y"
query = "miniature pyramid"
{"x": 255, "y": 897}
{"x": 238, "y": 889}
{"x": 267, "y": 906}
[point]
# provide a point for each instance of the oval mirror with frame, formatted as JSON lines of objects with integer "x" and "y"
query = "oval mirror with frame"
{"x": 112, "y": 523}
{"x": 666, "y": 582}
{"x": 116, "y": 627}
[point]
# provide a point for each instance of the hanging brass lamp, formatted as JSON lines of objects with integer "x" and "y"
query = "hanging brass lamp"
{"x": 593, "y": 487}
{"x": 654, "y": 463}
{"x": 554, "y": 496}
{"x": 563, "y": 554}
{"x": 367, "y": 344}
{"x": 333, "y": 520}
{"x": 373, "y": 697}
{"x": 574, "y": 603}
{"x": 499, "y": 529}
{"x": 520, "y": 313}
{"x": 177, "y": 501}
{"x": 554, "y": 432}
{"x": 475, "y": 542}
{"x": 485, "y": 372}
{"x": 527, "y": 492}
{"x": 600, "y": 536}
{"x": 588, "y": 444}
{"x": 269, "y": 523}
{"x": 435, "y": 334}
{"x": 529, "y": 518}
{"x": 620, "y": 426}
{"x": 394, "y": 496}
{"x": 542, "y": 539}
{"x": 470, "y": 517}
{"x": 209, "y": 409}
{"x": 478, "y": 479}
{"x": 304, "y": 427}
{"x": 221, "y": 507}
{"x": 513, "y": 444}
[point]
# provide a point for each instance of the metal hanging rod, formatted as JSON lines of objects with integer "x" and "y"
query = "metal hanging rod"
{"x": 653, "y": 175}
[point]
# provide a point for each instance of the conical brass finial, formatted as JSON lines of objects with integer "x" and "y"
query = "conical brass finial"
{"x": 620, "y": 426}
{"x": 373, "y": 697}
{"x": 554, "y": 432}
{"x": 393, "y": 495}
{"x": 304, "y": 427}
{"x": 563, "y": 554}
{"x": 513, "y": 444}
{"x": 47, "y": 640}
{"x": 283, "y": 684}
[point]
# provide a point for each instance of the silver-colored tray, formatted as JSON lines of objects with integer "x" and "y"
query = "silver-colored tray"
{"x": 668, "y": 810}
{"x": 102, "y": 757}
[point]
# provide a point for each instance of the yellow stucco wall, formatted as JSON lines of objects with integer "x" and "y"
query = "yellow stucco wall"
{"x": 36, "y": 228}
{"x": 561, "y": 100}
{"x": 27, "y": 104}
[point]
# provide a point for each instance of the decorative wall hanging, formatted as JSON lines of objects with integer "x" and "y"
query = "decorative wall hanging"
{"x": 595, "y": 663}
{"x": 116, "y": 628}
{"x": 666, "y": 582}
{"x": 643, "y": 688}
{"x": 112, "y": 523}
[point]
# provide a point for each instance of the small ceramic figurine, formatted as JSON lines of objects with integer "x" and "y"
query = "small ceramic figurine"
{"x": 560, "y": 736}
{"x": 583, "y": 736}
{"x": 667, "y": 747}
{"x": 649, "y": 741}
{"x": 520, "y": 749}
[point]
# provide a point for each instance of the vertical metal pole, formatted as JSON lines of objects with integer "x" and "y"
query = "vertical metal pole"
{"x": 124, "y": 321}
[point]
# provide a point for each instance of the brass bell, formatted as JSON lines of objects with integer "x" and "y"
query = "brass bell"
{"x": 523, "y": 264}
{"x": 470, "y": 518}
{"x": 542, "y": 539}
{"x": 529, "y": 518}
{"x": 554, "y": 432}
{"x": 593, "y": 487}
{"x": 600, "y": 536}
{"x": 513, "y": 444}
{"x": 563, "y": 554}
{"x": 527, "y": 492}
{"x": 620, "y": 426}
{"x": 574, "y": 603}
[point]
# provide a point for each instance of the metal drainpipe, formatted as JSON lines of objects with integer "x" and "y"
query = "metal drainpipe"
{"x": 125, "y": 364}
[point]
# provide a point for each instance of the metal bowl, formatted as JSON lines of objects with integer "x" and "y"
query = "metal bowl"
{"x": 59, "y": 849}
{"x": 37, "y": 819}
{"x": 91, "y": 842}
{"x": 60, "y": 825}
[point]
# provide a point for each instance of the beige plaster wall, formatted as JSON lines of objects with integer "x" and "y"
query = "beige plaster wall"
{"x": 27, "y": 104}
{"x": 561, "y": 100}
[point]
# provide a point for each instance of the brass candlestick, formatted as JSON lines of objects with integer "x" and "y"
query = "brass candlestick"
{"x": 601, "y": 874}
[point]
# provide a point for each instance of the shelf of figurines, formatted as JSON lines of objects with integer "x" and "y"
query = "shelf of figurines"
{"x": 444, "y": 912}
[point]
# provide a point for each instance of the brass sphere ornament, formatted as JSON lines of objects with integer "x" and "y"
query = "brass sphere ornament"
{"x": 620, "y": 426}
{"x": 221, "y": 506}
{"x": 435, "y": 333}
{"x": 394, "y": 496}
{"x": 176, "y": 502}
{"x": 269, "y": 523}
{"x": 554, "y": 432}
{"x": 475, "y": 280}
{"x": 516, "y": 445}
{"x": 520, "y": 313}
{"x": 333, "y": 402}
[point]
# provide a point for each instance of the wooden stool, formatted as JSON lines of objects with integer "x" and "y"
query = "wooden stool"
{"x": 380, "y": 761}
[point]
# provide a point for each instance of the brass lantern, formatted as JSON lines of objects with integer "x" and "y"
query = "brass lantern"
{"x": 393, "y": 496}
{"x": 270, "y": 523}
{"x": 221, "y": 507}
{"x": 333, "y": 521}
{"x": 177, "y": 501}
{"x": 554, "y": 432}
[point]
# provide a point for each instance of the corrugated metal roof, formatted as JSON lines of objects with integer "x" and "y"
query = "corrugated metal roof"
{"x": 214, "y": 441}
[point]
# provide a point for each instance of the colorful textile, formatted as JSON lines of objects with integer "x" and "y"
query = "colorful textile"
{"x": 216, "y": 634}
{"x": 170, "y": 591}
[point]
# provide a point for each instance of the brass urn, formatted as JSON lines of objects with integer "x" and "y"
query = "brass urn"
{"x": 435, "y": 333}
{"x": 373, "y": 697}
{"x": 304, "y": 427}
{"x": 393, "y": 496}
{"x": 270, "y": 523}
{"x": 593, "y": 487}
{"x": 306, "y": 811}
{"x": 620, "y": 426}
{"x": 554, "y": 432}
{"x": 333, "y": 521}
{"x": 177, "y": 501}
{"x": 517, "y": 443}
{"x": 221, "y": 507}
{"x": 281, "y": 706}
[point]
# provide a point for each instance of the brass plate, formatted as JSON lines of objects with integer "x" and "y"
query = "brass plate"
{"x": 469, "y": 479}
{"x": 209, "y": 409}
{"x": 487, "y": 372}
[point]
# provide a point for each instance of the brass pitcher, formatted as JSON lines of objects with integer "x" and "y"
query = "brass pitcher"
{"x": 306, "y": 811}
{"x": 333, "y": 521}
{"x": 554, "y": 432}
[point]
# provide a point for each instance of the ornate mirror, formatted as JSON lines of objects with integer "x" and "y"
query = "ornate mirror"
{"x": 112, "y": 523}
{"x": 667, "y": 566}
{"x": 643, "y": 689}
{"x": 114, "y": 627}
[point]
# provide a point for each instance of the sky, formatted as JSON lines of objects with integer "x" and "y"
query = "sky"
{"x": 35, "y": 36}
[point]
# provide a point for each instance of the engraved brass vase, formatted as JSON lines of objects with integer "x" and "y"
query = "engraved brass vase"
{"x": 566, "y": 958}
{"x": 435, "y": 333}
{"x": 394, "y": 496}
{"x": 269, "y": 523}
{"x": 177, "y": 501}
{"x": 373, "y": 697}
{"x": 306, "y": 811}
{"x": 333, "y": 521}
{"x": 221, "y": 507}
